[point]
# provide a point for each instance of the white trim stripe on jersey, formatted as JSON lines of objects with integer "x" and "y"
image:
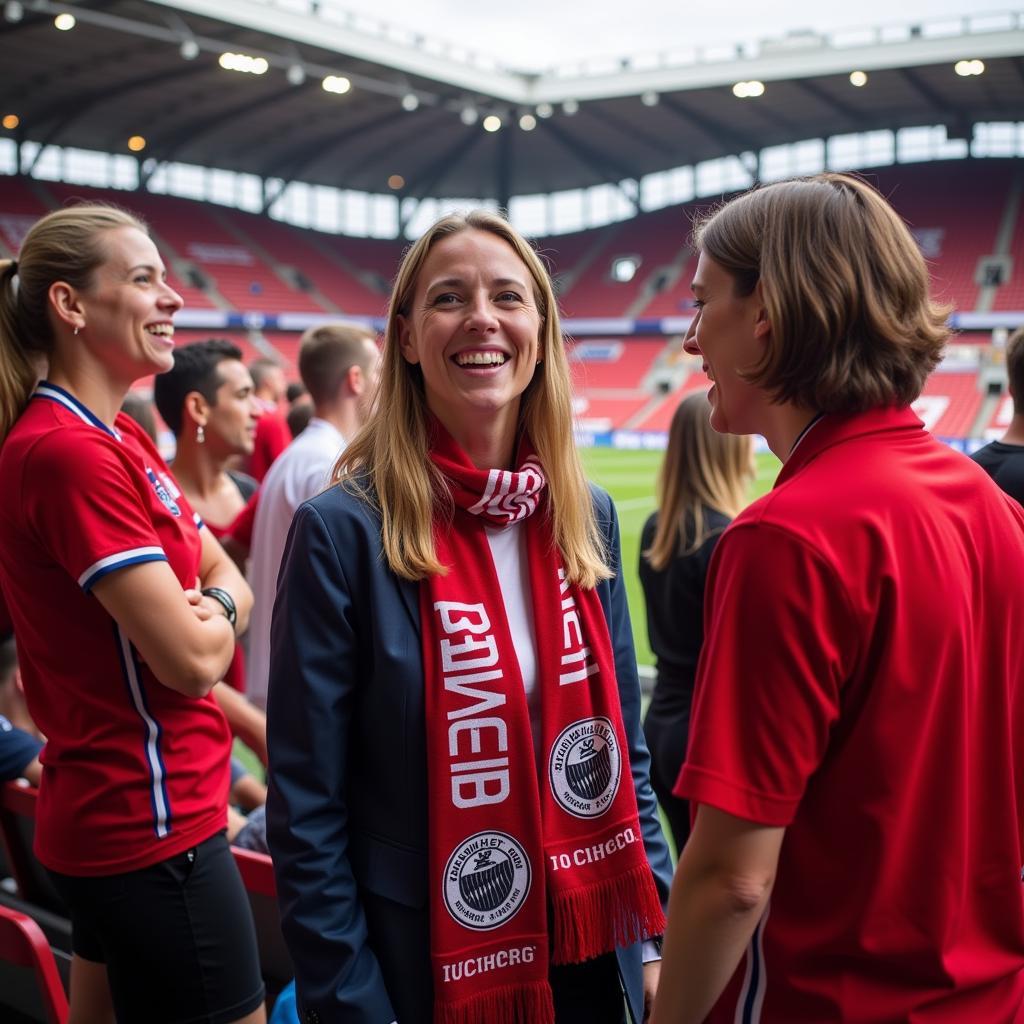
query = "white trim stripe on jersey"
{"x": 157, "y": 772}
{"x": 199, "y": 523}
{"x": 133, "y": 556}
{"x": 755, "y": 982}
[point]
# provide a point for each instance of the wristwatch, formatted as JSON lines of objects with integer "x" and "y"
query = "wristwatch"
{"x": 225, "y": 600}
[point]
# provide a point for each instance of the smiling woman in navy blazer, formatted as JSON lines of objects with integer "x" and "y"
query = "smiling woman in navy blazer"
{"x": 460, "y": 814}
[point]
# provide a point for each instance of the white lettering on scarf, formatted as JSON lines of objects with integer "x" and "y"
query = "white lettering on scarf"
{"x": 591, "y": 854}
{"x": 577, "y": 663}
{"x": 467, "y": 662}
{"x": 511, "y": 495}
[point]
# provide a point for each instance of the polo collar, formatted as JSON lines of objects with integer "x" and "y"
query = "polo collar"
{"x": 834, "y": 429}
{"x": 55, "y": 393}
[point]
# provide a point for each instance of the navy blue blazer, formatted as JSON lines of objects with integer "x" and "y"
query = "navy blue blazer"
{"x": 347, "y": 810}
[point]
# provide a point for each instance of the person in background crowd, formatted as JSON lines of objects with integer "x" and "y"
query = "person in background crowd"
{"x": 19, "y": 749}
{"x": 300, "y": 408}
{"x": 460, "y": 815}
{"x": 206, "y": 399}
{"x": 1003, "y": 460}
{"x": 126, "y": 614}
{"x": 339, "y": 367}
{"x": 856, "y": 751}
{"x": 298, "y": 418}
{"x": 702, "y": 485}
{"x": 272, "y": 433}
{"x": 141, "y": 410}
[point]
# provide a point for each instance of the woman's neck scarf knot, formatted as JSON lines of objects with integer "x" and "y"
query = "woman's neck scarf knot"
{"x": 516, "y": 844}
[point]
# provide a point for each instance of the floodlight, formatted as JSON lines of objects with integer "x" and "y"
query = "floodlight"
{"x": 11, "y": 121}
{"x": 492, "y": 123}
{"x": 296, "y": 74}
{"x": 649, "y": 98}
{"x": 13, "y": 11}
{"x": 570, "y": 106}
{"x": 396, "y": 181}
{"x": 336, "y": 84}
{"x": 189, "y": 49}
{"x": 468, "y": 115}
{"x": 65, "y": 22}
{"x": 527, "y": 122}
{"x": 410, "y": 102}
{"x": 136, "y": 143}
{"x": 858, "y": 79}
{"x": 545, "y": 110}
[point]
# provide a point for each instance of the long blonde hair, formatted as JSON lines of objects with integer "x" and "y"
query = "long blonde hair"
{"x": 62, "y": 246}
{"x": 702, "y": 469}
{"x": 391, "y": 450}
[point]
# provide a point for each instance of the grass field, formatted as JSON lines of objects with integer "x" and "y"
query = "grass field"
{"x": 629, "y": 477}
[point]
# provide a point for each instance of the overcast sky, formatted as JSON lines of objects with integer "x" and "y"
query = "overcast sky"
{"x": 530, "y": 34}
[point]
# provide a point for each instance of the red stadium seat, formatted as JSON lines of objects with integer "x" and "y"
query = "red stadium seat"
{"x": 17, "y": 827}
{"x": 29, "y": 982}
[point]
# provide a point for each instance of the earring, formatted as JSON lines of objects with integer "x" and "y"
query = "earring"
{"x": 77, "y": 329}
{"x": 200, "y": 434}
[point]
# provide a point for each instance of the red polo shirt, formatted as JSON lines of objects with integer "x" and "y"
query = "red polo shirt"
{"x": 133, "y": 771}
{"x": 862, "y": 684}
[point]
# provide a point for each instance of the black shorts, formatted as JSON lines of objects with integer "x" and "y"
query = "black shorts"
{"x": 177, "y": 938}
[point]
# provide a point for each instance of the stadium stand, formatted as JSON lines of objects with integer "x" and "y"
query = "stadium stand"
{"x": 31, "y": 985}
{"x": 658, "y": 419}
{"x": 949, "y": 403}
{"x": 1011, "y": 294}
{"x": 316, "y": 259}
{"x": 655, "y": 241}
{"x": 953, "y": 235}
{"x": 252, "y": 263}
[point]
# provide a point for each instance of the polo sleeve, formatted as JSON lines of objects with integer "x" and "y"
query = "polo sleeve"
{"x": 86, "y": 509}
{"x": 779, "y": 643}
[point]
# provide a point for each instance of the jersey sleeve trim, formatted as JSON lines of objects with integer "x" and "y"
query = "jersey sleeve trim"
{"x": 198, "y": 520}
{"x": 702, "y": 786}
{"x": 133, "y": 556}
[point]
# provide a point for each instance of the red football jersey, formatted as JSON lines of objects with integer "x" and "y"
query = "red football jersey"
{"x": 133, "y": 771}
{"x": 861, "y": 684}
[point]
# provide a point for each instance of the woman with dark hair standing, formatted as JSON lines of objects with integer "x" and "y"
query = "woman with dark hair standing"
{"x": 702, "y": 485}
{"x": 460, "y": 815}
{"x": 125, "y": 613}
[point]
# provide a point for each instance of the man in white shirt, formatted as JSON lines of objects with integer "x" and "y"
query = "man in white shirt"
{"x": 339, "y": 365}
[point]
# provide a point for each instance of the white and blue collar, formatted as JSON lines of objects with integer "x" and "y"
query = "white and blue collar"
{"x": 55, "y": 393}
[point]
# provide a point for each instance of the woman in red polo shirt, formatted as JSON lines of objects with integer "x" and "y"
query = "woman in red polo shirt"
{"x": 856, "y": 752}
{"x": 125, "y": 614}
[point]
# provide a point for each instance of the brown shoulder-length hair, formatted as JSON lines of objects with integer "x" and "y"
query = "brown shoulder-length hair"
{"x": 390, "y": 452}
{"x": 846, "y": 290}
{"x": 65, "y": 245}
{"x": 702, "y": 469}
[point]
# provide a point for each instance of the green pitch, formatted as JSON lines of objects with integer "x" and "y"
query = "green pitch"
{"x": 629, "y": 477}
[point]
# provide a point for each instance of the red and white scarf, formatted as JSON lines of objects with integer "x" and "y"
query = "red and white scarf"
{"x": 511, "y": 838}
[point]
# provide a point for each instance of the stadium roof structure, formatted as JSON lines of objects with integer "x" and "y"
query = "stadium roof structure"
{"x": 416, "y": 109}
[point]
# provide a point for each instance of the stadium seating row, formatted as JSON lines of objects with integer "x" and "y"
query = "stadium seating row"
{"x": 224, "y": 258}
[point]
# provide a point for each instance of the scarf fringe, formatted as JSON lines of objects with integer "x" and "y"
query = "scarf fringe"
{"x": 595, "y": 919}
{"x": 529, "y": 1003}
